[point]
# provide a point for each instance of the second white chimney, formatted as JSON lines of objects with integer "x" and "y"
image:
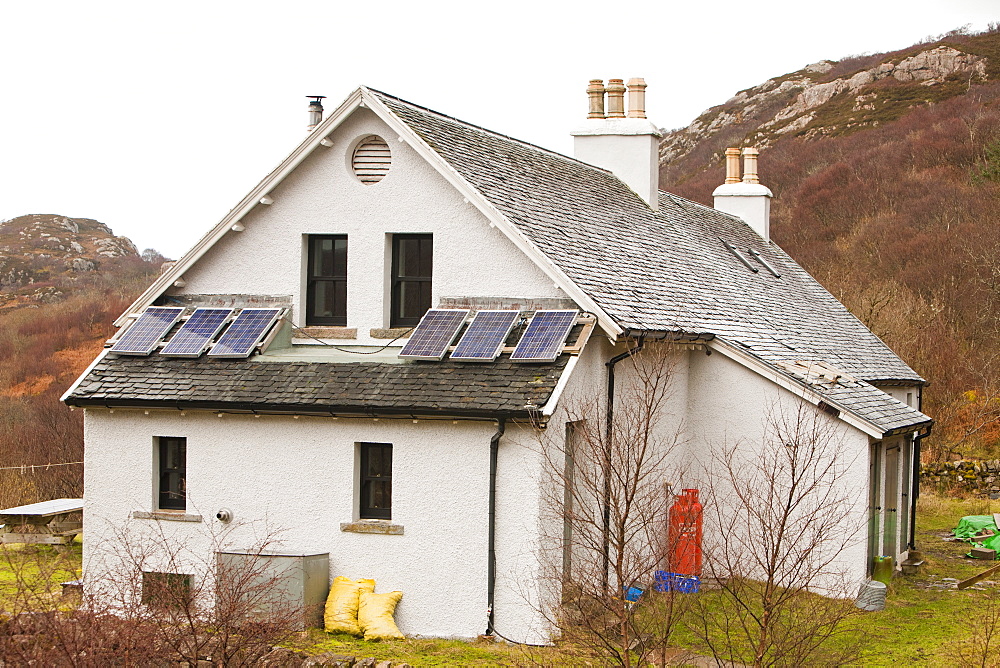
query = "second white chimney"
{"x": 626, "y": 146}
{"x": 745, "y": 198}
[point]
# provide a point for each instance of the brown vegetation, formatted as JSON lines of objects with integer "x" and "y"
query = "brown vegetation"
{"x": 45, "y": 344}
{"x": 899, "y": 223}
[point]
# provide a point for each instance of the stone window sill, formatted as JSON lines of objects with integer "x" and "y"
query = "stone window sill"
{"x": 173, "y": 516}
{"x": 373, "y": 526}
{"x": 308, "y": 333}
{"x": 392, "y": 333}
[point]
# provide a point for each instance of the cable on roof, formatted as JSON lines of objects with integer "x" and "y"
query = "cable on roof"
{"x": 345, "y": 350}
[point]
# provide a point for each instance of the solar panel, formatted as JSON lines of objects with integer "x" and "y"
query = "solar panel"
{"x": 484, "y": 338}
{"x": 141, "y": 338}
{"x": 436, "y": 331}
{"x": 543, "y": 339}
{"x": 245, "y": 333}
{"x": 195, "y": 334}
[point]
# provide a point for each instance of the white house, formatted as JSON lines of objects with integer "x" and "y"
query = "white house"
{"x": 422, "y": 473}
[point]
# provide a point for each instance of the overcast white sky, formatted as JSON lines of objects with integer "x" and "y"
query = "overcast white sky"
{"x": 156, "y": 118}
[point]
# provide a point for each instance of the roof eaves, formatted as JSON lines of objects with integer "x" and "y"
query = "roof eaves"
{"x": 803, "y": 389}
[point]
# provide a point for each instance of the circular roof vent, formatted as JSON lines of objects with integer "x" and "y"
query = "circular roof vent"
{"x": 371, "y": 159}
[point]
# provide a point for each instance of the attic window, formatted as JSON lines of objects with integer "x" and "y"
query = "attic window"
{"x": 371, "y": 160}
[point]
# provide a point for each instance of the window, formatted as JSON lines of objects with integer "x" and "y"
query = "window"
{"x": 412, "y": 257}
{"x": 376, "y": 481}
{"x": 173, "y": 473}
{"x": 326, "y": 282}
{"x": 166, "y": 590}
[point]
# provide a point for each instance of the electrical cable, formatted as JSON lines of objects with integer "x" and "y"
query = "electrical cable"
{"x": 345, "y": 350}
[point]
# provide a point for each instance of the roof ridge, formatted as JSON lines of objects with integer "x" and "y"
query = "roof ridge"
{"x": 501, "y": 135}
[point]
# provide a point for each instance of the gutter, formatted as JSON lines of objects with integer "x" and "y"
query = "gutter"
{"x": 491, "y": 552}
{"x": 609, "y": 433}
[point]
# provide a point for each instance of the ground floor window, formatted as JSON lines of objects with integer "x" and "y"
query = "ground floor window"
{"x": 376, "y": 481}
{"x": 172, "y": 464}
{"x": 166, "y": 590}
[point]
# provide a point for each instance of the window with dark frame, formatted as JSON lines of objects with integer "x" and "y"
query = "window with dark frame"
{"x": 376, "y": 481}
{"x": 326, "y": 280}
{"x": 412, "y": 264}
{"x": 166, "y": 590}
{"x": 173, "y": 473}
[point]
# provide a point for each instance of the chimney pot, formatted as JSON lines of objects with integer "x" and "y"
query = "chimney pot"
{"x": 636, "y": 98}
{"x": 595, "y": 91}
{"x": 747, "y": 199}
{"x": 616, "y": 98}
{"x": 732, "y": 165}
{"x": 750, "y": 165}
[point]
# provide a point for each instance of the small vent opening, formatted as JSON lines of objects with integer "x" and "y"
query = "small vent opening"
{"x": 371, "y": 160}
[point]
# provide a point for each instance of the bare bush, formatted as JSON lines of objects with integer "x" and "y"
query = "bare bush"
{"x": 785, "y": 512}
{"x": 607, "y": 501}
{"x": 155, "y": 600}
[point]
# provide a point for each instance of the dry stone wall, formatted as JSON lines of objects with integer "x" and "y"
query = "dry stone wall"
{"x": 972, "y": 477}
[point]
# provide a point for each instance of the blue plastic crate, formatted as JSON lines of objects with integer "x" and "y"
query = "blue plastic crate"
{"x": 683, "y": 584}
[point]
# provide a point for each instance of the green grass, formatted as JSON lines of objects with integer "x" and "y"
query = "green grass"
{"x": 920, "y": 625}
{"x": 35, "y": 571}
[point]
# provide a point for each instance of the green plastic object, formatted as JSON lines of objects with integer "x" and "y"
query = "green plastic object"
{"x": 883, "y": 568}
{"x": 971, "y": 525}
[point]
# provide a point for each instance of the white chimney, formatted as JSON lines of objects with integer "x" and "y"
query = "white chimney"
{"x": 626, "y": 146}
{"x": 747, "y": 199}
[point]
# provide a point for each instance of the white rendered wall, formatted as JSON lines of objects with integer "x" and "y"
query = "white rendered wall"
{"x": 728, "y": 403}
{"x": 323, "y": 196}
{"x": 298, "y": 478}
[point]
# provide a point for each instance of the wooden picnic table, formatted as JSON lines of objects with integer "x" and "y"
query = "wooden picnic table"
{"x": 46, "y": 522}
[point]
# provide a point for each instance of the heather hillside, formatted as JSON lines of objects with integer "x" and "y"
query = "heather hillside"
{"x": 63, "y": 281}
{"x": 886, "y": 175}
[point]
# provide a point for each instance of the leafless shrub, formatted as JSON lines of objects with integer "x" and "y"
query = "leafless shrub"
{"x": 785, "y": 513}
{"x": 153, "y": 599}
{"x": 607, "y": 497}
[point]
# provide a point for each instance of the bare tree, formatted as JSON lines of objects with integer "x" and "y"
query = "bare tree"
{"x": 607, "y": 500}
{"x": 784, "y": 513}
{"x": 157, "y": 600}
{"x": 981, "y": 647}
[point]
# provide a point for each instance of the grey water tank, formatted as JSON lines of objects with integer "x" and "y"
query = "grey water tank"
{"x": 274, "y": 587}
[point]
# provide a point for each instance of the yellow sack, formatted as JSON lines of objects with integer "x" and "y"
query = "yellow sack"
{"x": 375, "y": 615}
{"x": 341, "y": 614}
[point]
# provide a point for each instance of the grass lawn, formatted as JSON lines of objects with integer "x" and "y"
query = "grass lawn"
{"x": 925, "y": 621}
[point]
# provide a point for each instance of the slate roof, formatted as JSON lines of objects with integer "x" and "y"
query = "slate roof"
{"x": 656, "y": 270}
{"x": 417, "y": 388}
{"x": 669, "y": 270}
{"x": 663, "y": 271}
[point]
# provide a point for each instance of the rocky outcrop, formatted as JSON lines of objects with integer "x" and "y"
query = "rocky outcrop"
{"x": 38, "y": 249}
{"x": 808, "y": 102}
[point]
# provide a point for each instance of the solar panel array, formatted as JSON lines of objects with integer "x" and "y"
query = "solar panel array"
{"x": 485, "y": 336}
{"x": 245, "y": 333}
{"x": 195, "y": 334}
{"x": 145, "y": 333}
{"x": 436, "y": 331}
{"x": 543, "y": 339}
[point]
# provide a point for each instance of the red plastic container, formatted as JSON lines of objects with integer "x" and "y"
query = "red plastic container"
{"x": 685, "y": 534}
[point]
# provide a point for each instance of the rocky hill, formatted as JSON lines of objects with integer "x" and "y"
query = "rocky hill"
{"x": 886, "y": 175}
{"x": 41, "y": 253}
{"x": 831, "y": 98}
